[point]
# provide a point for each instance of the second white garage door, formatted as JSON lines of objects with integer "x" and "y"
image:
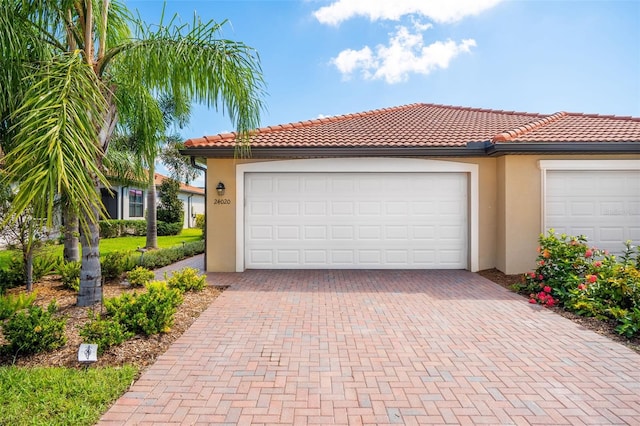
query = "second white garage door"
{"x": 603, "y": 205}
{"x": 356, "y": 220}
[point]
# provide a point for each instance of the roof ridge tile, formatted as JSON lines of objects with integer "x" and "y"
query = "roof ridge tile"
{"x": 511, "y": 134}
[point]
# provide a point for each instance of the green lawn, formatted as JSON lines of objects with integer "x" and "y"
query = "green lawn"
{"x": 60, "y": 396}
{"x": 108, "y": 245}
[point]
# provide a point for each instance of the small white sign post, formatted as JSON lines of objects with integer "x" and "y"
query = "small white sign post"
{"x": 87, "y": 353}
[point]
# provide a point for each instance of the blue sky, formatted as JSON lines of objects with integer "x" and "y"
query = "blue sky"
{"x": 332, "y": 57}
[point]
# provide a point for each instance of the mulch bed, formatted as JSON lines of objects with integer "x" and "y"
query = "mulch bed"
{"x": 140, "y": 350}
{"x": 143, "y": 351}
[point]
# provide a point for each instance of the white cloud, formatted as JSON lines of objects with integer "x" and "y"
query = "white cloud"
{"x": 406, "y": 53}
{"x": 349, "y": 60}
{"x": 441, "y": 11}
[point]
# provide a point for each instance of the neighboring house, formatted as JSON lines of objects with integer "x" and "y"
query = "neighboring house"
{"x": 130, "y": 202}
{"x": 420, "y": 186}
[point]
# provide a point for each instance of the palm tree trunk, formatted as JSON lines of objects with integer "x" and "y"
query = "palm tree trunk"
{"x": 90, "y": 272}
{"x": 152, "y": 216}
{"x": 27, "y": 257}
{"x": 71, "y": 252}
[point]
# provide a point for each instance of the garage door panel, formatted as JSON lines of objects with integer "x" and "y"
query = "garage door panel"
{"x": 260, "y": 257}
{"x": 369, "y": 208}
{"x": 397, "y": 232}
{"x": 342, "y": 208}
{"x": 600, "y": 204}
{"x": 356, "y": 220}
{"x": 396, "y": 208}
{"x": 261, "y": 208}
{"x": 288, "y": 184}
{"x": 369, "y": 232}
{"x": 315, "y": 257}
{"x": 261, "y": 233}
{"x": 369, "y": 257}
{"x": 315, "y": 233}
{"x": 583, "y": 208}
{"x": 424, "y": 232}
{"x": 342, "y": 257}
{"x": 343, "y": 232}
{"x": 288, "y": 257}
{"x": 314, "y": 208}
{"x": 287, "y": 233}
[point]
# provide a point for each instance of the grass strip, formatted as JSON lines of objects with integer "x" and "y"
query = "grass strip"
{"x": 60, "y": 396}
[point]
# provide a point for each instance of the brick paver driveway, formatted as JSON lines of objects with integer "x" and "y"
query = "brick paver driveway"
{"x": 382, "y": 347}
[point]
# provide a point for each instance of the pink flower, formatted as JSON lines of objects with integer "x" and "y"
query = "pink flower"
{"x": 588, "y": 253}
{"x": 532, "y": 301}
{"x": 592, "y": 278}
{"x": 542, "y": 296}
{"x": 540, "y": 277}
{"x": 597, "y": 264}
{"x": 541, "y": 263}
{"x": 532, "y": 274}
{"x": 547, "y": 289}
{"x": 582, "y": 286}
{"x": 550, "y": 302}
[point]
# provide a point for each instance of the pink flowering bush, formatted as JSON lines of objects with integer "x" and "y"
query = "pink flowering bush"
{"x": 562, "y": 263}
{"x": 585, "y": 280}
{"x": 611, "y": 288}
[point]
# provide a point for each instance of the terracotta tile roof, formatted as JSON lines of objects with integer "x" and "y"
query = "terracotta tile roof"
{"x": 572, "y": 127}
{"x": 158, "y": 179}
{"x": 430, "y": 125}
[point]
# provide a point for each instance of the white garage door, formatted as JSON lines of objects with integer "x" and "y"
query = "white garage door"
{"x": 356, "y": 220}
{"x": 603, "y": 205}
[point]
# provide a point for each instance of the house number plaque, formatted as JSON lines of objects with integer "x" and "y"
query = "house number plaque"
{"x": 221, "y": 201}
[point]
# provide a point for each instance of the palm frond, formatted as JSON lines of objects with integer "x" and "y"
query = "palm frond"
{"x": 141, "y": 117}
{"x": 56, "y": 146}
{"x": 193, "y": 62}
{"x": 123, "y": 166}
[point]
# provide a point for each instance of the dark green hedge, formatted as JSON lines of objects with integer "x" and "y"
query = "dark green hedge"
{"x": 114, "y": 228}
{"x": 165, "y": 228}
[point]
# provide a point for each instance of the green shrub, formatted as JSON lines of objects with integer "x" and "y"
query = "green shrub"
{"x": 165, "y": 228}
{"x": 170, "y": 208}
{"x": 35, "y": 330}
{"x": 113, "y": 228}
{"x": 70, "y": 275}
{"x": 12, "y": 275}
{"x": 9, "y": 304}
{"x": 162, "y": 257}
{"x": 104, "y": 332}
{"x": 201, "y": 223}
{"x": 139, "y": 276}
{"x": 187, "y": 279}
{"x": 156, "y": 308}
{"x": 115, "y": 264}
{"x": 148, "y": 313}
{"x": 45, "y": 264}
{"x": 629, "y": 324}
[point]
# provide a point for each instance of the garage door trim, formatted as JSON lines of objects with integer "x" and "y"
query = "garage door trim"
{"x": 363, "y": 165}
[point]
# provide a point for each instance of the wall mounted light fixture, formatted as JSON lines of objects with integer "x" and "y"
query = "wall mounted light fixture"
{"x": 220, "y": 189}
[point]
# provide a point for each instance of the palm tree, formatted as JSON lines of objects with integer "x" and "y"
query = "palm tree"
{"x": 175, "y": 113}
{"x": 74, "y": 69}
